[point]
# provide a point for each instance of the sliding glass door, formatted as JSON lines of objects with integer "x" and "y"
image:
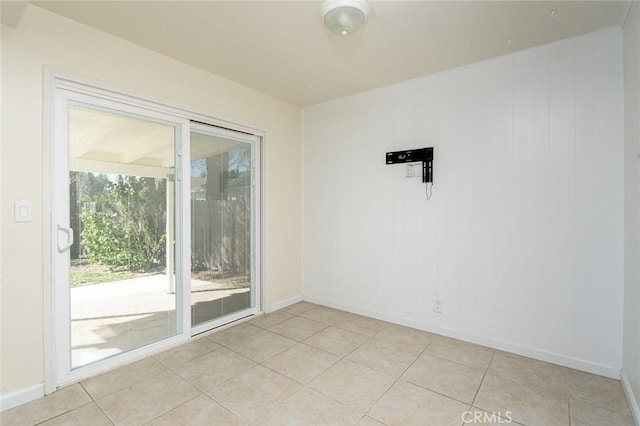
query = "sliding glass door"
{"x": 155, "y": 230}
{"x": 223, "y": 219}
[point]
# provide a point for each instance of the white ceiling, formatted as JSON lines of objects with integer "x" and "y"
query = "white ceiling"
{"x": 281, "y": 48}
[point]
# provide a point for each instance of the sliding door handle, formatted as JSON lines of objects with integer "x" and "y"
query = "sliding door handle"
{"x": 69, "y": 242}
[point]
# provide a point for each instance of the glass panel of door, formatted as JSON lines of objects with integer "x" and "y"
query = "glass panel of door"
{"x": 121, "y": 211}
{"x": 221, "y": 226}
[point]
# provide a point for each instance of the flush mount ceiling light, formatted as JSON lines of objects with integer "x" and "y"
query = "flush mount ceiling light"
{"x": 344, "y": 17}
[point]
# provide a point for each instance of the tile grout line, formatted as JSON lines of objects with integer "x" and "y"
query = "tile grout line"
{"x": 95, "y": 401}
{"x": 316, "y": 332}
{"x": 440, "y": 393}
{"x": 177, "y": 406}
{"x": 308, "y": 346}
{"x": 275, "y": 406}
{"x": 397, "y": 379}
{"x": 284, "y": 375}
{"x": 199, "y": 392}
{"x": 65, "y": 412}
{"x": 221, "y": 404}
{"x": 493, "y": 352}
{"x": 112, "y": 421}
{"x": 482, "y": 381}
{"x": 210, "y": 398}
{"x": 261, "y": 363}
{"x": 306, "y": 385}
{"x": 188, "y": 360}
{"x": 274, "y": 355}
{"x": 340, "y": 359}
{"x": 206, "y": 392}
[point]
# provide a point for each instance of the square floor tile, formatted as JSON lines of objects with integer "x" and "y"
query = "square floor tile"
{"x": 526, "y": 404}
{"x": 411, "y": 339}
{"x": 262, "y": 346}
{"x": 271, "y": 319}
{"x": 454, "y": 380}
{"x": 301, "y": 362}
{"x": 602, "y": 391}
{"x": 213, "y": 368}
{"x": 231, "y": 335}
{"x": 326, "y": 315}
{"x": 143, "y": 401}
{"x": 336, "y": 341}
{"x": 308, "y": 407}
{"x": 298, "y": 328}
{"x": 384, "y": 356}
{"x": 475, "y": 356}
{"x": 254, "y": 393}
{"x": 186, "y": 352}
{"x": 545, "y": 376}
{"x": 354, "y": 385}
{"x": 89, "y": 414}
{"x": 587, "y": 414}
{"x": 59, "y": 402}
{"x": 406, "y": 404}
{"x": 200, "y": 411}
{"x": 122, "y": 377}
{"x": 362, "y": 325}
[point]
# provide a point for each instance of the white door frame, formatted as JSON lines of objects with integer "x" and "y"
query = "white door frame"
{"x": 55, "y": 80}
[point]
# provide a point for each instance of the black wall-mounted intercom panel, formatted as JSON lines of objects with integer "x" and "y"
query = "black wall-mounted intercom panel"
{"x": 423, "y": 155}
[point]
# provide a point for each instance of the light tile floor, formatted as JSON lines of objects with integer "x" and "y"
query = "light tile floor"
{"x": 311, "y": 365}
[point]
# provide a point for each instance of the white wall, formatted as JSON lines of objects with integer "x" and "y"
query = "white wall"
{"x": 523, "y": 238}
{"x": 43, "y": 38}
{"x": 631, "y": 351}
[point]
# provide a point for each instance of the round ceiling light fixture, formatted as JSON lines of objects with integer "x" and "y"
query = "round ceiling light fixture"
{"x": 344, "y": 17}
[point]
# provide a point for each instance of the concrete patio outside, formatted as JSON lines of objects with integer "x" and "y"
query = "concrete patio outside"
{"x": 111, "y": 318}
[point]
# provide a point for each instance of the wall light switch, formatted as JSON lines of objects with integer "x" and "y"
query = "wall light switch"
{"x": 23, "y": 211}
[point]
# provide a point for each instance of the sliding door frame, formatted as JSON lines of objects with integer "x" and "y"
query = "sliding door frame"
{"x": 65, "y": 98}
{"x": 56, "y": 80}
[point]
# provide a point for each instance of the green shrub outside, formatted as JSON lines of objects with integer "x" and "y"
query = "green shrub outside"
{"x": 126, "y": 228}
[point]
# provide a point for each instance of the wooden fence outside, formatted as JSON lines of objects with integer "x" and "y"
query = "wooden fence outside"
{"x": 221, "y": 235}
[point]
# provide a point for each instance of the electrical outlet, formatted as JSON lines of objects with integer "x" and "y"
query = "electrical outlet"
{"x": 438, "y": 305}
{"x": 410, "y": 171}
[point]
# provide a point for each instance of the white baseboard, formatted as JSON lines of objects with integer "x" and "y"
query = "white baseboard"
{"x": 632, "y": 399}
{"x": 578, "y": 364}
{"x": 284, "y": 303}
{"x": 21, "y": 397}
